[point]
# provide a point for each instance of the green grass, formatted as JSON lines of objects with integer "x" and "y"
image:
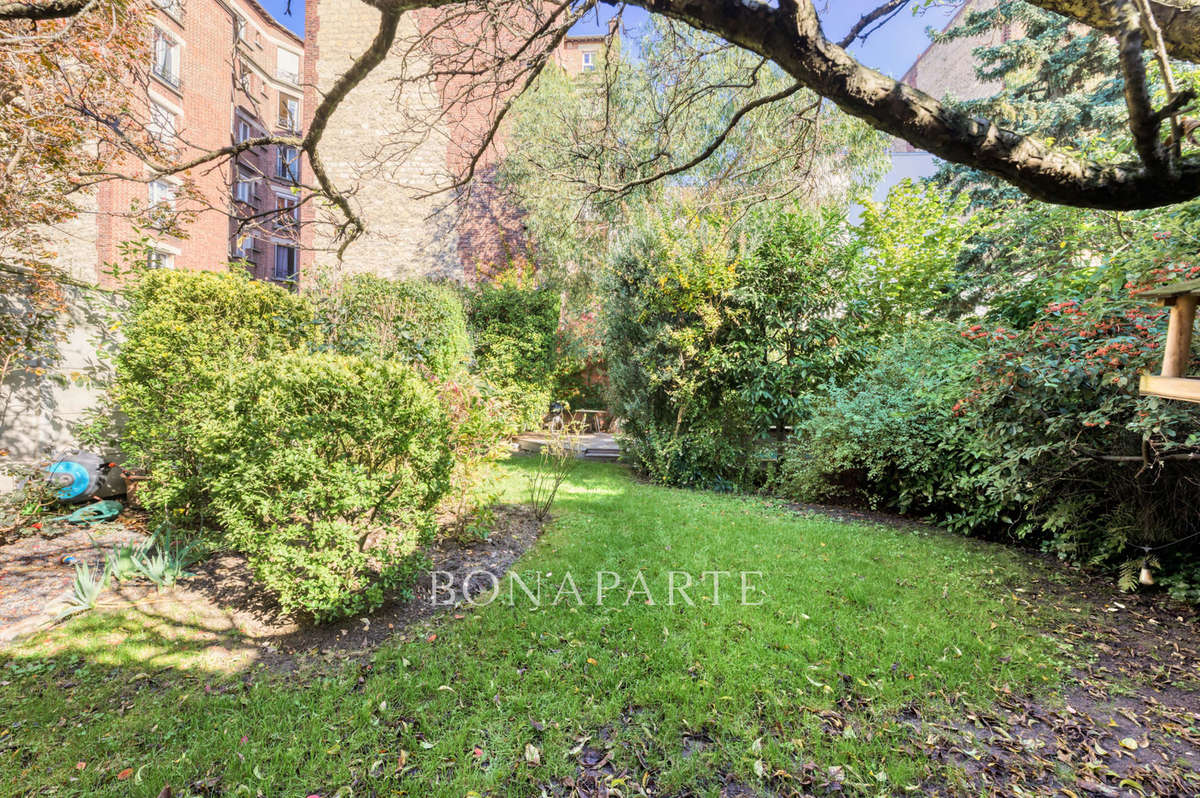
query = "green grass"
{"x": 859, "y": 627}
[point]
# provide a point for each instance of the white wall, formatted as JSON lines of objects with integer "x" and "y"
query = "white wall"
{"x": 40, "y": 413}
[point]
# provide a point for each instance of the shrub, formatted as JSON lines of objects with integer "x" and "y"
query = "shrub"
{"x": 186, "y": 333}
{"x": 477, "y": 428}
{"x": 326, "y": 470}
{"x": 1099, "y": 470}
{"x": 416, "y": 321}
{"x": 715, "y": 345}
{"x": 514, "y": 326}
{"x": 890, "y": 437}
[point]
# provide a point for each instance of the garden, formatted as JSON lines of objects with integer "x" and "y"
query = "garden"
{"x": 892, "y": 515}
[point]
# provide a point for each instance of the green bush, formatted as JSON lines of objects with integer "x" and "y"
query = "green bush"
{"x": 412, "y": 320}
{"x": 325, "y": 471}
{"x": 890, "y": 436}
{"x": 717, "y": 339}
{"x": 186, "y": 332}
{"x": 515, "y": 331}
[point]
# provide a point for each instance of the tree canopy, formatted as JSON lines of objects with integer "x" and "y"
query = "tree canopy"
{"x": 1162, "y": 169}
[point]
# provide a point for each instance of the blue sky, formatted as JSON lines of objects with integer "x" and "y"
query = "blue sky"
{"x": 891, "y": 50}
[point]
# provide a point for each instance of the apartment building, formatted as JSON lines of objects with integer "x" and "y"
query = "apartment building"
{"x": 579, "y": 55}
{"x": 218, "y": 71}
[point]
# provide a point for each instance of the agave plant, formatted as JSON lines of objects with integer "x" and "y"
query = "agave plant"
{"x": 165, "y": 561}
{"x": 86, "y": 589}
{"x": 124, "y": 558}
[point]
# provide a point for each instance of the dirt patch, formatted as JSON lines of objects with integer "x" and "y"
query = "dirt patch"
{"x": 36, "y": 570}
{"x": 856, "y": 516}
{"x": 227, "y": 621}
{"x": 1128, "y": 723}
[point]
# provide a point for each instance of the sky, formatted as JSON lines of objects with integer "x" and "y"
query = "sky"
{"x": 891, "y": 50}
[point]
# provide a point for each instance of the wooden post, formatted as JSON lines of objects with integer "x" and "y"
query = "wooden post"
{"x": 1178, "y": 352}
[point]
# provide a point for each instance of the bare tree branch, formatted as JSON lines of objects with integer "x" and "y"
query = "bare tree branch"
{"x": 888, "y": 8}
{"x": 712, "y": 147}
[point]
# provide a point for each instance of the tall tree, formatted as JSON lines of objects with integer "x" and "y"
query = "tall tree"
{"x": 588, "y": 154}
{"x": 1164, "y": 171}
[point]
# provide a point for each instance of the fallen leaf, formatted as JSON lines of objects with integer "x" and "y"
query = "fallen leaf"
{"x": 124, "y": 774}
{"x": 532, "y": 755}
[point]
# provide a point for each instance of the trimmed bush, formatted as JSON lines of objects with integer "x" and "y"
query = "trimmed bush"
{"x": 326, "y": 470}
{"x": 186, "y": 333}
{"x": 417, "y": 321}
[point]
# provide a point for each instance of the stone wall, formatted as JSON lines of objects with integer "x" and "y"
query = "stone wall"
{"x": 396, "y": 144}
{"x": 384, "y": 146}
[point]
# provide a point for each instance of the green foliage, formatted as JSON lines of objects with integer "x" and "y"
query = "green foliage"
{"x": 187, "y": 333}
{"x": 86, "y": 589}
{"x": 889, "y": 436}
{"x": 325, "y": 471}
{"x": 911, "y": 243}
{"x": 576, "y": 140}
{"x": 163, "y": 560}
{"x": 716, "y": 342}
{"x": 515, "y": 330}
{"x": 124, "y": 558}
{"x": 1090, "y": 462}
{"x": 476, "y": 439}
{"x": 415, "y": 321}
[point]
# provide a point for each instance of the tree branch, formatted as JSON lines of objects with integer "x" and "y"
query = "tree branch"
{"x": 890, "y": 7}
{"x": 712, "y": 147}
{"x": 1143, "y": 122}
{"x": 55, "y": 9}
{"x": 1178, "y": 20}
{"x": 793, "y": 39}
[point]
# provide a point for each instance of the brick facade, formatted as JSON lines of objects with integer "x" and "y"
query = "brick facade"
{"x": 948, "y": 69}
{"x": 210, "y": 79}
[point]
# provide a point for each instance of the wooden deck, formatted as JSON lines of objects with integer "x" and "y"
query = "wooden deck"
{"x": 588, "y": 446}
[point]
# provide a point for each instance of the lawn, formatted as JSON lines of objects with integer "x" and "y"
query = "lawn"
{"x": 860, "y": 630}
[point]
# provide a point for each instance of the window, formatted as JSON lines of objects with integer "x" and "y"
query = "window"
{"x": 162, "y": 123}
{"x": 162, "y": 194}
{"x": 589, "y": 60}
{"x": 172, "y": 7}
{"x": 288, "y": 210}
{"x": 159, "y": 259}
{"x": 161, "y": 206}
{"x": 289, "y": 112}
{"x": 244, "y": 131}
{"x": 243, "y": 247}
{"x": 239, "y": 28}
{"x": 243, "y": 189}
{"x": 287, "y": 66}
{"x": 287, "y": 164}
{"x": 166, "y": 57}
{"x": 285, "y": 262}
